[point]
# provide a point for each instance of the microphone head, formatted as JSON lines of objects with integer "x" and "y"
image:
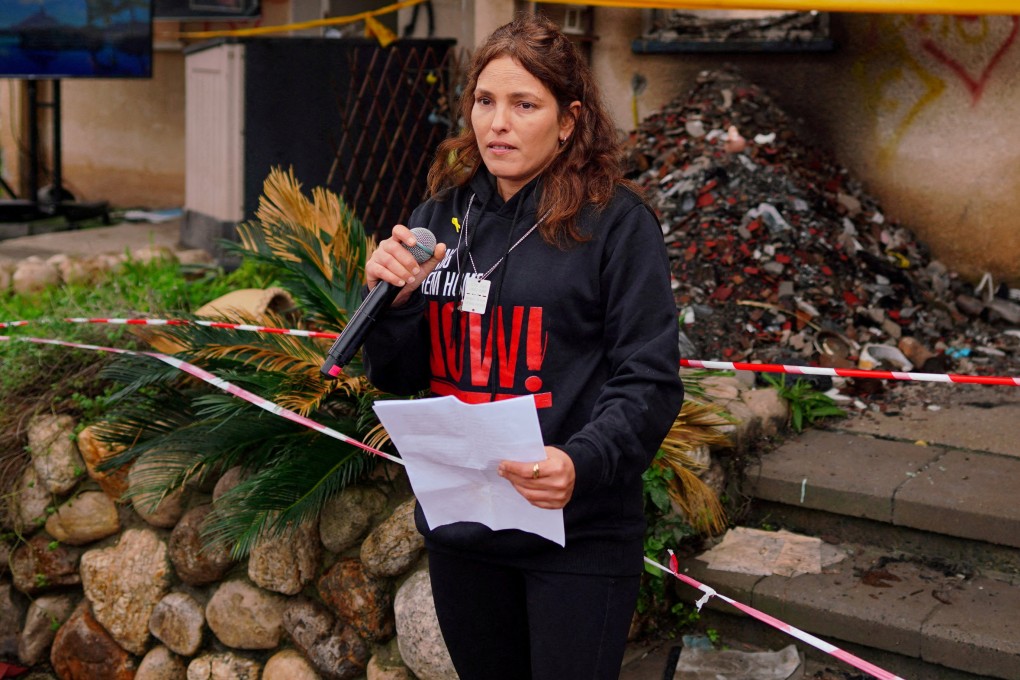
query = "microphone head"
{"x": 425, "y": 246}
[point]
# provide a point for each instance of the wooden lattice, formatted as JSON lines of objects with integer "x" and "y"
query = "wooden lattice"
{"x": 397, "y": 111}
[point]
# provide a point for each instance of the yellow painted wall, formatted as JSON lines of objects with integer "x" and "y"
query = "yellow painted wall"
{"x": 123, "y": 141}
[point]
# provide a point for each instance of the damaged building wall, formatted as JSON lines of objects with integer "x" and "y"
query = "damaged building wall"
{"x": 919, "y": 108}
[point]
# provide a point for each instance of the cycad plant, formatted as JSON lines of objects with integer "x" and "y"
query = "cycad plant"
{"x": 185, "y": 431}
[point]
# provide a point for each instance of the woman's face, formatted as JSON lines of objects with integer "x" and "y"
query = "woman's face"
{"x": 517, "y": 123}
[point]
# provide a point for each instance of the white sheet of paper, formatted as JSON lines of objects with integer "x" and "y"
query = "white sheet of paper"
{"x": 452, "y": 451}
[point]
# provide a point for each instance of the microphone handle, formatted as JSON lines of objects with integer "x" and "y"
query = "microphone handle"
{"x": 353, "y": 334}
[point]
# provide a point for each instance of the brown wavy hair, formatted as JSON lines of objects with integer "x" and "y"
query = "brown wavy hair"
{"x": 587, "y": 169}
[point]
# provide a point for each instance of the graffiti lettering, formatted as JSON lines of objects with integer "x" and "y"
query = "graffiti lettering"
{"x": 515, "y": 336}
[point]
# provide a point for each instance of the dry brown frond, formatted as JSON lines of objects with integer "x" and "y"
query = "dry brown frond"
{"x": 377, "y": 437}
{"x": 314, "y": 391}
{"x": 695, "y": 426}
{"x": 697, "y": 501}
{"x": 283, "y": 202}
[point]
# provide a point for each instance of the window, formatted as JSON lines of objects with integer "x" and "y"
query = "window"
{"x": 676, "y": 30}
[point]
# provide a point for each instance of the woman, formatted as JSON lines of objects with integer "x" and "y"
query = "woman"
{"x": 553, "y": 282}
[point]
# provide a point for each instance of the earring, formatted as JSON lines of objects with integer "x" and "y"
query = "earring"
{"x": 562, "y": 141}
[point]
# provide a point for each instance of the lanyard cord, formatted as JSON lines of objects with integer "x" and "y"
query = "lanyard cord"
{"x": 463, "y": 237}
{"x": 467, "y": 240}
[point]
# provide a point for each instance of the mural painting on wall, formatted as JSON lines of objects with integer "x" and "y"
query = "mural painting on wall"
{"x": 912, "y": 61}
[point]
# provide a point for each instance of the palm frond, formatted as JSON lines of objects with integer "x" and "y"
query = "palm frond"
{"x": 138, "y": 372}
{"x": 695, "y": 426}
{"x": 321, "y": 235}
{"x": 284, "y": 494}
{"x": 698, "y": 502}
{"x": 180, "y": 429}
{"x": 293, "y": 360}
{"x": 321, "y": 293}
{"x": 377, "y": 437}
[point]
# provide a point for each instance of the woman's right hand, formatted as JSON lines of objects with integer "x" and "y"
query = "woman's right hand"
{"x": 393, "y": 262}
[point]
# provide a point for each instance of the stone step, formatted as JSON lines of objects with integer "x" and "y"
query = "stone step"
{"x": 906, "y": 616}
{"x": 925, "y": 499}
{"x": 920, "y": 494}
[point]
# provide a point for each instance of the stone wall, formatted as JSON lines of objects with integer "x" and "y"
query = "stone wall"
{"x": 95, "y": 588}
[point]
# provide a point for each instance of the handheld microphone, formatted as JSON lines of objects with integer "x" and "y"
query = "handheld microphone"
{"x": 377, "y": 300}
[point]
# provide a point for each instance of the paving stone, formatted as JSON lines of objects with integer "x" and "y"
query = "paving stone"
{"x": 979, "y": 630}
{"x": 845, "y": 474}
{"x": 838, "y": 603}
{"x": 964, "y": 494}
{"x": 977, "y": 417}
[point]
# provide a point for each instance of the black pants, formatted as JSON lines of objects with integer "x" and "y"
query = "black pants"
{"x": 502, "y": 623}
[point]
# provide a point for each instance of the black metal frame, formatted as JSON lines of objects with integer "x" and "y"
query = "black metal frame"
{"x": 34, "y": 207}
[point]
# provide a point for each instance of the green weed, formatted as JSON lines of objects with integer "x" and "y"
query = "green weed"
{"x": 806, "y": 403}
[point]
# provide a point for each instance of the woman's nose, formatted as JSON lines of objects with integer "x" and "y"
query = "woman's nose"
{"x": 500, "y": 118}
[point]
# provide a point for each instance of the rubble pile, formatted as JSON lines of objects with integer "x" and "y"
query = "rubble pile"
{"x": 780, "y": 256}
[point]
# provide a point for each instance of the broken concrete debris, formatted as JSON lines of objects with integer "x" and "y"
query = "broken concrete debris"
{"x": 777, "y": 252}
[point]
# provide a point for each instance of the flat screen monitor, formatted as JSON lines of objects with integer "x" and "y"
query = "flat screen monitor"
{"x": 75, "y": 38}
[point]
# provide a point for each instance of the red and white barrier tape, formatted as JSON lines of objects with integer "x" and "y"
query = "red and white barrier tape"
{"x": 852, "y": 372}
{"x": 186, "y": 322}
{"x": 815, "y": 642}
{"x": 690, "y": 363}
{"x": 209, "y": 324}
{"x": 276, "y": 409}
{"x": 227, "y": 387}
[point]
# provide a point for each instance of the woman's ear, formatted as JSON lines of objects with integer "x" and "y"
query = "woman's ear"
{"x": 569, "y": 119}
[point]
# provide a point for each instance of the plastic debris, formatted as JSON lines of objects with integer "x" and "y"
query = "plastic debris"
{"x": 883, "y": 358}
{"x": 698, "y": 663}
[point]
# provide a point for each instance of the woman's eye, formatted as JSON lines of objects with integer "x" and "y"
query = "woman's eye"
{"x": 484, "y": 101}
{"x": 527, "y": 105}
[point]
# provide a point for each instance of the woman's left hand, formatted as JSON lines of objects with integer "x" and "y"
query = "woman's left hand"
{"x": 551, "y": 487}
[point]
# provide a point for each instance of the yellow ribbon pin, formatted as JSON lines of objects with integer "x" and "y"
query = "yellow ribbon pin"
{"x": 456, "y": 224}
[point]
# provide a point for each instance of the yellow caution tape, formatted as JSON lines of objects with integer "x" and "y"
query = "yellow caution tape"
{"x": 375, "y": 29}
{"x": 865, "y": 6}
{"x": 385, "y": 36}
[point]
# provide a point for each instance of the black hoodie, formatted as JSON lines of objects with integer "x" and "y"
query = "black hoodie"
{"x": 590, "y": 330}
